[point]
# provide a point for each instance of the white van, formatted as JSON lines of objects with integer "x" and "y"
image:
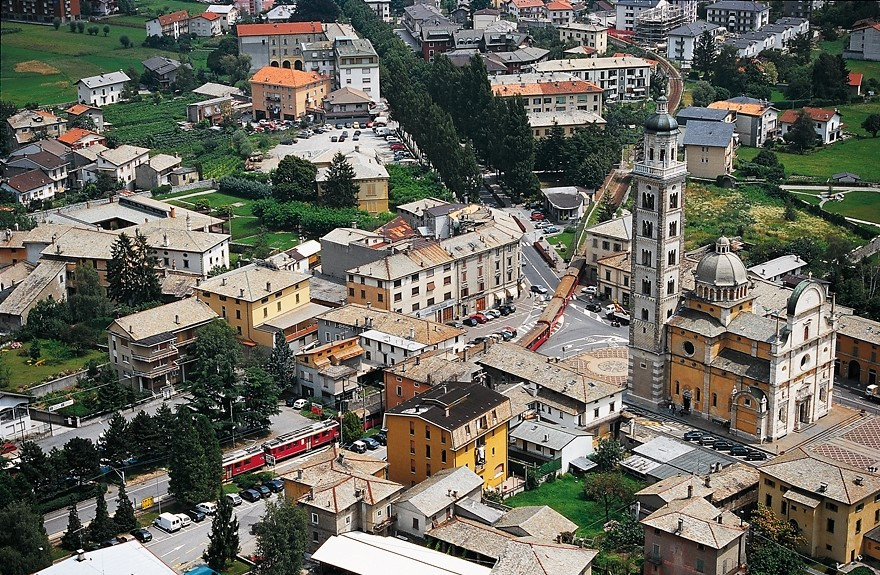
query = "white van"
{"x": 168, "y": 522}
{"x": 207, "y": 507}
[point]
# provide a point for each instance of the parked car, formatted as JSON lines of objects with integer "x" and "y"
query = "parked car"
{"x": 168, "y": 522}
{"x": 339, "y": 126}
{"x": 358, "y": 447}
{"x": 274, "y": 485}
{"x": 506, "y": 335}
{"x": 143, "y": 535}
{"x": 538, "y": 216}
{"x": 288, "y": 142}
{"x": 345, "y": 133}
{"x": 478, "y": 340}
{"x": 372, "y": 444}
{"x": 300, "y": 403}
{"x": 356, "y": 125}
{"x": 356, "y": 132}
{"x": 552, "y": 230}
{"x": 755, "y": 455}
{"x": 492, "y": 314}
{"x": 469, "y": 321}
{"x": 334, "y": 138}
{"x": 185, "y": 520}
{"x": 510, "y": 329}
{"x": 381, "y": 437}
{"x": 539, "y": 289}
{"x": 707, "y": 440}
{"x": 596, "y": 308}
{"x": 251, "y": 495}
{"x": 348, "y": 124}
{"x": 507, "y": 309}
{"x": 7, "y": 447}
{"x": 739, "y": 450}
{"x": 207, "y": 507}
{"x": 480, "y": 318}
{"x": 690, "y": 435}
{"x": 234, "y": 499}
{"x": 397, "y": 147}
{"x": 355, "y": 138}
{"x": 722, "y": 445}
{"x": 264, "y": 491}
{"x": 196, "y": 515}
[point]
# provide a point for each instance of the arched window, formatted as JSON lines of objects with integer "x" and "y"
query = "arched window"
{"x": 662, "y": 154}
{"x": 673, "y": 228}
{"x": 645, "y": 314}
{"x": 647, "y": 258}
{"x": 806, "y": 332}
{"x": 646, "y": 286}
{"x": 670, "y": 287}
{"x": 673, "y": 200}
{"x": 672, "y": 257}
{"x": 647, "y": 200}
{"x": 650, "y": 154}
{"x": 647, "y": 229}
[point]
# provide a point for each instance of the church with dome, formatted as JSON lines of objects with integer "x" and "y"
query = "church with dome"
{"x": 709, "y": 350}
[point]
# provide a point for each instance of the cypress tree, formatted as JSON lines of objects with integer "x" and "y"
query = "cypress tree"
{"x": 73, "y": 537}
{"x": 223, "y": 538}
{"x": 124, "y": 516}
{"x": 102, "y": 527}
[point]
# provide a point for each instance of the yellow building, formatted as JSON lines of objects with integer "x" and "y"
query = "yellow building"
{"x": 834, "y": 505}
{"x": 449, "y": 426}
{"x": 257, "y": 301}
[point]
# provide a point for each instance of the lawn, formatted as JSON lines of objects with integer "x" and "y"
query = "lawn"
{"x": 565, "y": 238}
{"x": 860, "y": 205}
{"x": 23, "y": 375}
{"x": 173, "y": 195}
{"x": 166, "y": 6}
{"x": 854, "y": 114}
{"x": 854, "y": 155}
{"x": 244, "y": 227}
{"x": 869, "y": 69}
{"x": 42, "y": 65}
{"x": 277, "y": 240}
{"x": 566, "y": 495}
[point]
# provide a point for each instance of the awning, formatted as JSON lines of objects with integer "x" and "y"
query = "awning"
{"x": 582, "y": 464}
{"x": 499, "y": 295}
{"x": 511, "y": 292}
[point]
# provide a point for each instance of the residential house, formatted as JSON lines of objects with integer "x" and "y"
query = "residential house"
{"x": 541, "y": 442}
{"x": 434, "y": 500}
{"x": 564, "y": 203}
{"x": 228, "y": 15}
{"x": 558, "y": 92}
{"x": 282, "y": 93}
{"x": 93, "y": 113}
{"x": 40, "y": 12}
{"x": 406, "y": 379}
{"x": 484, "y": 18}
{"x": 732, "y": 488}
{"x": 620, "y": 78}
{"x": 701, "y": 114}
{"x": 522, "y": 59}
{"x": 559, "y": 12}
{"x": 104, "y": 7}
{"x": 183, "y": 176}
{"x": 173, "y": 24}
{"x": 52, "y": 166}
{"x": 857, "y": 350}
{"x": 278, "y": 44}
{"x": 77, "y": 138}
{"x": 690, "y": 536}
{"x": 826, "y": 123}
{"x": 756, "y": 120}
{"x": 30, "y": 186}
{"x": 382, "y": 8}
{"x": 422, "y": 14}
{"x": 162, "y": 69}
{"x": 148, "y": 348}
{"x": 341, "y": 491}
{"x": 214, "y": 90}
{"x": 206, "y": 25}
{"x": 156, "y": 171}
{"x": 347, "y": 105}
{"x": 675, "y": 487}
{"x": 357, "y": 66}
{"x": 589, "y": 35}
{"x": 371, "y": 178}
{"x": 119, "y": 163}
{"x": 32, "y": 125}
{"x": 101, "y": 90}
{"x": 437, "y": 39}
{"x": 855, "y": 84}
{"x": 710, "y": 148}
{"x": 542, "y": 123}
{"x": 47, "y": 280}
{"x": 738, "y": 15}
{"x": 463, "y": 425}
{"x": 252, "y": 296}
{"x": 253, "y": 7}
{"x": 800, "y": 8}
{"x": 551, "y": 390}
{"x": 776, "y": 269}
{"x": 525, "y": 9}
{"x": 864, "y": 42}
{"x": 833, "y": 504}
{"x": 187, "y": 251}
{"x": 539, "y": 522}
{"x": 683, "y": 40}
{"x": 606, "y": 239}
{"x": 303, "y": 258}
{"x": 324, "y": 372}
{"x": 319, "y": 57}
{"x": 613, "y": 278}
{"x": 627, "y": 10}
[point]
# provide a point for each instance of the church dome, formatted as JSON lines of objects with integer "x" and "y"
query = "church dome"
{"x": 661, "y": 121}
{"x": 721, "y": 268}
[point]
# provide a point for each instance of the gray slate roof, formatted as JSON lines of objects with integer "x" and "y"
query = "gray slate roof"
{"x": 161, "y": 65}
{"x": 743, "y": 364}
{"x": 557, "y": 437}
{"x": 431, "y": 495}
{"x": 108, "y": 79}
{"x": 700, "y": 113}
{"x": 693, "y": 29}
{"x": 744, "y": 5}
{"x": 712, "y": 134}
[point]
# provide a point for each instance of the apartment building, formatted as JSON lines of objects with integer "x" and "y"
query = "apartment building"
{"x": 206, "y": 24}
{"x": 119, "y": 163}
{"x": 683, "y": 39}
{"x": 174, "y": 24}
{"x": 542, "y": 123}
{"x": 435, "y": 500}
{"x": 858, "y": 350}
{"x": 33, "y": 125}
{"x": 614, "y": 277}
{"x": 756, "y": 120}
{"x": 709, "y": 149}
{"x": 621, "y": 78}
{"x": 40, "y": 12}
{"x": 591, "y": 35}
{"x": 185, "y": 250}
{"x": 559, "y": 12}
{"x": 607, "y": 239}
{"x": 148, "y": 348}
{"x": 277, "y": 45}
{"x": 228, "y": 15}
{"x": 286, "y": 94}
{"x": 253, "y": 297}
{"x": 101, "y": 90}
{"x": 357, "y": 66}
{"x": 555, "y": 92}
{"x": 370, "y": 177}
{"x": 864, "y": 42}
{"x": 382, "y": 8}
{"x": 156, "y": 172}
{"x": 449, "y": 426}
{"x": 406, "y": 379}
{"x": 93, "y": 113}
{"x": 52, "y": 167}
{"x": 738, "y": 15}
{"x": 323, "y": 372}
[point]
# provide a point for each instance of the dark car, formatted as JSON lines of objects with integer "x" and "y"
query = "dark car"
{"x": 265, "y": 492}
{"x": 507, "y": 309}
{"x": 739, "y": 450}
{"x": 357, "y": 132}
{"x": 722, "y": 445}
{"x": 707, "y": 440}
{"x": 142, "y": 535}
{"x": 334, "y": 138}
{"x": 274, "y": 485}
{"x": 755, "y": 455}
{"x": 371, "y": 443}
{"x": 539, "y": 289}
{"x": 196, "y": 515}
{"x": 338, "y": 126}
{"x": 506, "y": 335}
{"x": 381, "y": 437}
{"x": 693, "y": 435}
{"x": 287, "y": 142}
{"x": 348, "y": 124}
{"x": 594, "y": 307}
{"x": 469, "y": 321}
{"x": 250, "y": 495}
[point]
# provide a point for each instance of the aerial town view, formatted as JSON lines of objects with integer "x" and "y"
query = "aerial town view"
{"x": 440, "y": 287}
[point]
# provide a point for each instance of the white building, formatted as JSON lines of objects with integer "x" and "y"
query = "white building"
{"x": 206, "y": 25}
{"x": 627, "y": 11}
{"x": 776, "y": 269}
{"x": 680, "y": 46}
{"x": 280, "y": 13}
{"x": 382, "y": 8}
{"x": 434, "y": 500}
{"x": 119, "y": 162}
{"x": 623, "y": 78}
{"x": 357, "y": 66}
{"x": 227, "y": 12}
{"x": 864, "y": 42}
{"x": 591, "y": 35}
{"x": 547, "y": 441}
{"x": 739, "y": 15}
{"x": 186, "y": 250}
{"x": 126, "y": 559}
{"x": 101, "y": 90}
{"x": 826, "y": 123}
{"x": 15, "y": 417}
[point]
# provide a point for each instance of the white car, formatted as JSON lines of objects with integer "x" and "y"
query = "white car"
{"x": 185, "y": 521}
{"x": 300, "y": 403}
{"x": 491, "y": 313}
{"x": 207, "y": 507}
{"x": 590, "y": 290}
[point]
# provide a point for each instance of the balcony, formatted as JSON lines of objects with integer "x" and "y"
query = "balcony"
{"x": 158, "y": 370}
{"x": 385, "y": 524}
{"x": 156, "y": 355}
{"x": 679, "y": 169}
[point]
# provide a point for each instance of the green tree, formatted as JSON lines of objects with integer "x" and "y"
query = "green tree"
{"x": 830, "y": 78}
{"x": 194, "y": 469}
{"x": 703, "y": 94}
{"x": 24, "y": 545}
{"x": 56, "y": 23}
{"x": 131, "y": 273}
{"x": 704, "y": 53}
{"x": 90, "y": 300}
{"x": 224, "y": 544}
{"x": 106, "y": 31}
{"x": 802, "y": 136}
{"x": 316, "y": 11}
{"x": 626, "y": 536}
{"x": 71, "y": 25}
{"x": 35, "y": 351}
{"x": 352, "y": 427}
{"x": 115, "y": 443}
{"x": 144, "y": 437}
{"x": 216, "y": 354}
{"x": 281, "y": 365}
{"x": 609, "y": 489}
{"x": 282, "y": 536}
{"x": 102, "y": 527}
{"x": 48, "y": 319}
{"x": 608, "y": 454}
{"x": 259, "y": 401}
{"x": 771, "y": 551}
{"x": 73, "y": 538}
{"x": 799, "y": 47}
{"x": 294, "y": 179}
{"x": 607, "y": 209}
{"x": 81, "y": 458}
{"x": 35, "y": 467}
{"x": 185, "y": 80}
{"x": 550, "y": 151}
{"x": 340, "y": 189}
{"x": 123, "y": 517}
{"x": 14, "y": 488}
{"x": 125, "y": 41}
{"x": 872, "y": 124}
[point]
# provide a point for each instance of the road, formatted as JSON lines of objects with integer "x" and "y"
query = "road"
{"x": 854, "y": 398}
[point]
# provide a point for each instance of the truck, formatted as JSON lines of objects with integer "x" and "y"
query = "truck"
{"x": 872, "y": 392}
{"x": 168, "y": 522}
{"x": 616, "y": 312}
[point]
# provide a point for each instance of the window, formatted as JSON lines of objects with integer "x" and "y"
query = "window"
{"x": 673, "y": 200}
{"x": 399, "y": 391}
{"x": 442, "y": 456}
{"x": 829, "y": 525}
{"x": 348, "y": 519}
{"x": 645, "y": 314}
{"x": 314, "y": 518}
{"x": 646, "y": 287}
{"x": 647, "y": 257}
{"x": 412, "y": 428}
{"x": 714, "y": 400}
{"x": 315, "y": 536}
{"x": 427, "y": 452}
{"x": 858, "y": 525}
{"x": 415, "y": 523}
{"x": 700, "y": 567}
{"x": 831, "y": 507}
{"x": 672, "y": 257}
{"x": 768, "y": 500}
{"x": 596, "y": 413}
{"x": 673, "y": 228}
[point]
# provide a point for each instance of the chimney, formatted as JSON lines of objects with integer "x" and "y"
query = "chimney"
{"x": 80, "y": 555}
{"x": 412, "y": 333}
{"x": 448, "y": 493}
{"x": 369, "y": 305}
{"x": 299, "y": 473}
{"x": 241, "y": 292}
{"x": 454, "y": 493}
{"x": 165, "y": 240}
{"x": 546, "y": 437}
{"x": 268, "y": 286}
{"x": 690, "y": 491}
{"x": 354, "y": 224}
{"x": 173, "y": 214}
{"x": 708, "y": 480}
{"x": 223, "y": 281}
{"x": 720, "y": 518}
{"x": 188, "y": 223}
{"x": 177, "y": 319}
{"x": 680, "y": 525}
{"x": 418, "y": 360}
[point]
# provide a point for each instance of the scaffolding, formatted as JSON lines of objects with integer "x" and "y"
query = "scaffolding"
{"x": 653, "y": 26}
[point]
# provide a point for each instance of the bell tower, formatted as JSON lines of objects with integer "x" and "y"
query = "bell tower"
{"x": 657, "y": 249}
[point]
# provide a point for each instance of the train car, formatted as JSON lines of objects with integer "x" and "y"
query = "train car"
{"x": 302, "y": 440}
{"x": 242, "y": 461}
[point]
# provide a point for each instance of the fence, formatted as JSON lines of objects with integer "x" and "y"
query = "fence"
{"x": 195, "y": 186}
{"x": 57, "y": 384}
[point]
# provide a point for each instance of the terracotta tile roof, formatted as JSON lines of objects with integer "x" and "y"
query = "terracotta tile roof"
{"x": 558, "y": 5}
{"x": 855, "y": 79}
{"x": 74, "y": 135}
{"x": 740, "y": 108}
{"x": 78, "y": 109}
{"x": 548, "y": 88}
{"x": 285, "y": 77}
{"x": 210, "y": 16}
{"x": 815, "y": 114}
{"x": 528, "y": 3}
{"x": 168, "y": 19}
{"x": 282, "y": 28}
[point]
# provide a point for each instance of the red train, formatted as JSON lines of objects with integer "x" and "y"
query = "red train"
{"x": 282, "y": 447}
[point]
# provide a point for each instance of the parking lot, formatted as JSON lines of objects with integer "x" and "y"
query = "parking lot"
{"x": 316, "y": 145}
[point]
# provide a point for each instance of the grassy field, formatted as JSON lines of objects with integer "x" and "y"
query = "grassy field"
{"x": 855, "y": 155}
{"x": 277, "y": 240}
{"x": 859, "y": 205}
{"x": 42, "y": 65}
{"x": 23, "y": 375}
{"x": 869, "y": 69}
{"x": 854, "y": 114}
{"x": 566, "y": 495}
{"x": 565, "y": 238}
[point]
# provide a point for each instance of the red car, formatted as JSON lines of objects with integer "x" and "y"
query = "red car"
{"x": 396, "y": 147}
{"x": 538, "y": 216}
{"x": 480, "y": 317}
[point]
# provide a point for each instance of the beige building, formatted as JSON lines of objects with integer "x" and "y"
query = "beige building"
{"x": 47, "y": 280}
{"x": 614, "y": 275}
{"x": 709, "y": 148}
{"x": 542, "y": 123}
{"x": 607, "y": 239}
{"x": 371, "y": 178}
{"x": 282, "y": 93}
{"x": 549, "y": 92}
{"x": 591, "y": 35}
{"x": 32, "y": 125}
